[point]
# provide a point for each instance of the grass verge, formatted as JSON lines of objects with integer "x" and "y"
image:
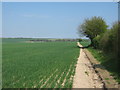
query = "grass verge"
{"x": 107, "y": 60}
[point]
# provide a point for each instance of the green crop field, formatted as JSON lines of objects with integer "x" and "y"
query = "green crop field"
{"x": 38, "y": 65}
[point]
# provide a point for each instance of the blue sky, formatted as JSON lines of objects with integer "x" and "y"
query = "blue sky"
{"x": 52, "y": 19}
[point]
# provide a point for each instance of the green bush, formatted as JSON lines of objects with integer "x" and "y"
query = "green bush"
{"x": 96, "y": 41}
{"x": 104, "y": 42}
{"x": 109, "y": 39}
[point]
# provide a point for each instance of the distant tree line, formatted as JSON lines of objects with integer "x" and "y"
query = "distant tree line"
{"x": 54, "y": 40}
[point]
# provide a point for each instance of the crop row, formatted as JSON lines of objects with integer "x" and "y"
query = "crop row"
{"x": 39, "y": 65}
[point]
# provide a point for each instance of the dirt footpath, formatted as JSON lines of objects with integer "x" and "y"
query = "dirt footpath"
{"x": 85, "y": 75}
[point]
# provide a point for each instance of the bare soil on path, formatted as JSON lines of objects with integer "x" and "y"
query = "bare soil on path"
{"x": 85, "y": 75}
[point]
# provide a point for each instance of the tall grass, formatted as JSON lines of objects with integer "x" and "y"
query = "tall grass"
{"x": 106, "y": 59}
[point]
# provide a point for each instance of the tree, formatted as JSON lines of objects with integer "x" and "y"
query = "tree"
{"x": 93, "y": 27}
{"x": 114, "y": 37}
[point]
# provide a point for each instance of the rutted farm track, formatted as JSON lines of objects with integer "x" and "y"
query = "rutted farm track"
{"x": 85, "y": 76}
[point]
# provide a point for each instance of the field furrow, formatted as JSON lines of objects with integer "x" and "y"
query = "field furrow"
{"x": 63, "y": 83}
{"x": 44, "y": 83}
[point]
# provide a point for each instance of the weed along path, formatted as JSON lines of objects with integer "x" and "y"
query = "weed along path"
{"x": 85, "y": 75}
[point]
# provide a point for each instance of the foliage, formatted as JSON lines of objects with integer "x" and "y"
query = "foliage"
{"x": 106, "y": 59}
{"x": 109, "y": 40}
{"x": 93, "y": 27}
{"x": 96, "y": 41}
{"x": 107, "y": 49}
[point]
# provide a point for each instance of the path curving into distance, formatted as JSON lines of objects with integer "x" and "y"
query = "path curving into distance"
{"x": 85, "y": 75}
